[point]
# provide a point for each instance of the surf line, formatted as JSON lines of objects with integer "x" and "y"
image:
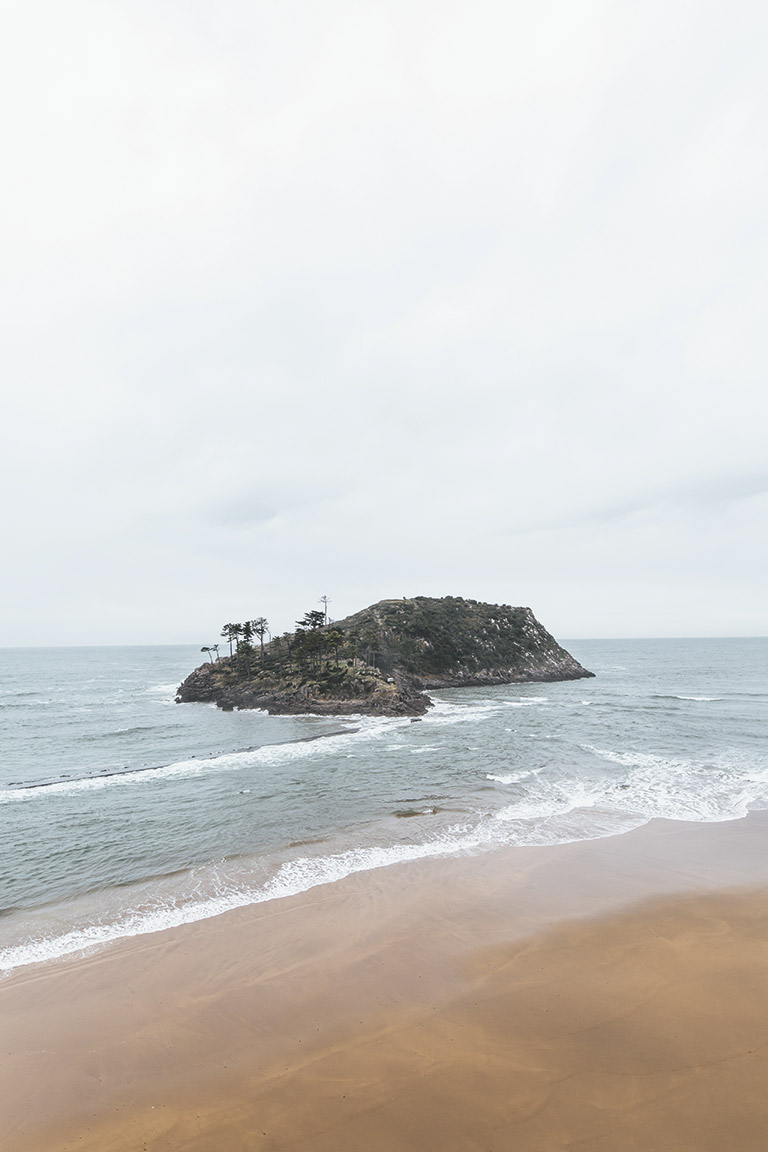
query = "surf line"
{"x": 105, "y": 773}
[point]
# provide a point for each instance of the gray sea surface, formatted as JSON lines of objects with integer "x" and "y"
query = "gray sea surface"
{"x": 124, "y": 813}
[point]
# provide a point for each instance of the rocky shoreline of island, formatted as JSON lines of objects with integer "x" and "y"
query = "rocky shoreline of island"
{"x": 381, "y": 661}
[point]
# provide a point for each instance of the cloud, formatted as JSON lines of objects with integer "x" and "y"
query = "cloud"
{"x": 455, "y": 298}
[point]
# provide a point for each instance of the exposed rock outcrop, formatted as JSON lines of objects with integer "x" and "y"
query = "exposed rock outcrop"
{"x": 380, "y": 661}
{"x": 364, "y": 690}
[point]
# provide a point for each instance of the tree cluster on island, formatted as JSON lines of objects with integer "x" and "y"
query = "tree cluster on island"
{"x": 315, "y": 648}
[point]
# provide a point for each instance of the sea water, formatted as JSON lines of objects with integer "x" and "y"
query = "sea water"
{"x": 123, "y": 812}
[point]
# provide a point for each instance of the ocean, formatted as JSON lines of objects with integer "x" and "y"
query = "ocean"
{"x": 125, "y": 813}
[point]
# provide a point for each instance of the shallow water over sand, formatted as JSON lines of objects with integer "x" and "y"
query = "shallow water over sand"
{"x": 123, "y": 812}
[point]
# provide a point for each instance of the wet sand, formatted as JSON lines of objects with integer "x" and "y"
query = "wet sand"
{"x": 610, "y": 995}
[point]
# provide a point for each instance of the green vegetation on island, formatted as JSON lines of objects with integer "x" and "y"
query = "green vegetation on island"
{"x": 379, "y": 660}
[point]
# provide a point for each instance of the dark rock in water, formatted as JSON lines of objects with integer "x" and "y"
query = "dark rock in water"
{"x": 293, "y": 695}
{"x": 383, "y": 659}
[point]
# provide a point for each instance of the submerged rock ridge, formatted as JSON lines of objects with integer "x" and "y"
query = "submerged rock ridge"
{"x": 382, "y": 660}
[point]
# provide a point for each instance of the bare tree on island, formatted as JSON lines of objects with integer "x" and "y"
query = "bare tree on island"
{"x": 244, "y": 646}
{"x": 230, "y": 632}
{"x": 260, "y": 627}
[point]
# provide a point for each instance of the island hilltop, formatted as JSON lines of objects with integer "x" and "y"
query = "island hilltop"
{"x": 379, "y": 661}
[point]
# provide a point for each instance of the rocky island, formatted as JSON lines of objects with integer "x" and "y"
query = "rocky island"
{"x": 379, "y": 661}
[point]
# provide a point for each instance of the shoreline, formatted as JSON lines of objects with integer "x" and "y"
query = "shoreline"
{"x": 338, "y": 862}
{"x": 309, "y": 1020}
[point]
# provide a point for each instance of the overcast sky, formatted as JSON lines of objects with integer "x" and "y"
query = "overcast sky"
{"x": 379, "y": 299}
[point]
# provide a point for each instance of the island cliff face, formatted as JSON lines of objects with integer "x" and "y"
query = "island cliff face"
{"x": 381, "y": 660}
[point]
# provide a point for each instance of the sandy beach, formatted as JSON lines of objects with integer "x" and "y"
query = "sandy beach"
{"x": 606, "y": 995}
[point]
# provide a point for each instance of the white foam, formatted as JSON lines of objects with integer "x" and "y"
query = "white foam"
{"x": 447, "y": 712}
{"x": 292, "y": 878}
{"x": 545, "y": 805}
{"x": 652, "y": 786}
{"x": 546, "y": 812}
{"x": 514, "y": 777}
{"x": 270, "y": 755}
{"x": 569, "y": 826}
{"x": 681, "y": 789}
{"x": 552, "y": 800}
